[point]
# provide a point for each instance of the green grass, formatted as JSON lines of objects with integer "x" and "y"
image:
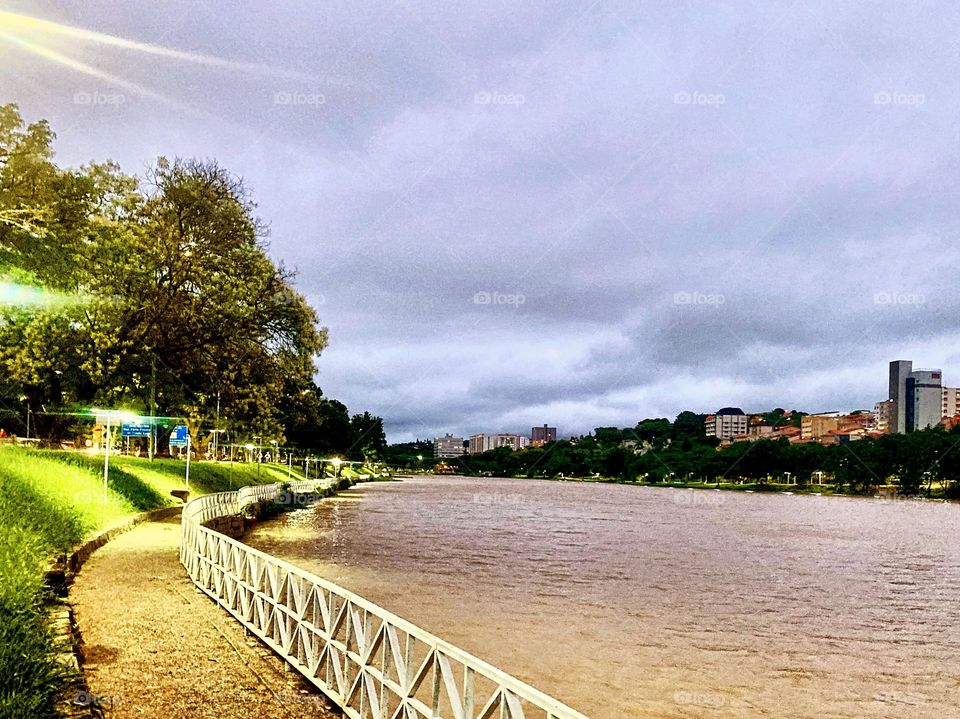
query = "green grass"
{"x": 49, "y": 502}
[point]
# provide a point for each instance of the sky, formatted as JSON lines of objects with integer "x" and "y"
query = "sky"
{"x": 573, "y": 213}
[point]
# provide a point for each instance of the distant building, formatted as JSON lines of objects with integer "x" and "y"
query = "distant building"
{"x": 480, "y": 443}
{"x": 884, "y": 411}
{"x": 513, "y": 441}
{"x": 899, "y": 370}
{"x": 448, "y": 446}
{"x": 917, "y": 397}
{"x": 485, "y": 442}
{"x": 541, "y": 435}
{"x": 950, "y": 405}
{"x": 726, "y": 424}
{"x": 924, "y": 399}
{"x": 818, "y": 426}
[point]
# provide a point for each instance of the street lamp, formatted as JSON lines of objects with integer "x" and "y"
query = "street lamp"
{"x": 111, "y": 414}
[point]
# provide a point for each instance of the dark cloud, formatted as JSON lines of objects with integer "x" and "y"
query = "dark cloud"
{"x": 576, "y": 213}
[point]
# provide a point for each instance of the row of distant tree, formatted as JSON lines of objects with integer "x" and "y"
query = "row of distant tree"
{"x": 658, "y": 450}
{"x": 159, "y": 296}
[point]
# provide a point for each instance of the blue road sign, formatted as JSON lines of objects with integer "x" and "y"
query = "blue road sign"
{"x": 178, "y": 438}
{"x": 134, "y": 429}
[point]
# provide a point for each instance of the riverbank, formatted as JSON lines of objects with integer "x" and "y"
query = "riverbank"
{"x": 50, "y": 502}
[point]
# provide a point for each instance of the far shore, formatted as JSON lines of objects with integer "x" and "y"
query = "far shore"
{"x": 887, "y": 492}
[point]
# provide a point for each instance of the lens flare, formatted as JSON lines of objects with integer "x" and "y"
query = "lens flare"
{"x": 15, "y": 24}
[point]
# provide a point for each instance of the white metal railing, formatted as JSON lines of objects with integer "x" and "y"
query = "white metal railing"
{"x": 371, "y": 663}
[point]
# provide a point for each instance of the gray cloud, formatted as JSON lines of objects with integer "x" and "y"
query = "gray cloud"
{"x": 615, "y": 165}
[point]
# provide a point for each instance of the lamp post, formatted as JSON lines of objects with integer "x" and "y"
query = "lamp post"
{"x": 216, "y": 434}
{"x": 110, "y": 414}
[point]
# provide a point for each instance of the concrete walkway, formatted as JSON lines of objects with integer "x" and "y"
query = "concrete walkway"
{"x": 154, "y": 646}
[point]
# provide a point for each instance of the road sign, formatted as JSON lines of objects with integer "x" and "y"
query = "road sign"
{"x": 179, "y": 436}
{"x": 134, "y": 429}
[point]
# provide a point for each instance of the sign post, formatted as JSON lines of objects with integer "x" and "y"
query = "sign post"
{"x": 180, "y": 437}
{"x": 106, "y": 459}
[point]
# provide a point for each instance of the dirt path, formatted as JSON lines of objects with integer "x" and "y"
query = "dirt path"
{"x": 154, "y": 646}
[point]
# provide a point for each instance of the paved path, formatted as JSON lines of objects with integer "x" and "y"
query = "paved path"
{"x": 155, "y": 646}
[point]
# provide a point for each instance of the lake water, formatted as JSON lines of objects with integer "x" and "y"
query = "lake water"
{"x": 646, "y": 602}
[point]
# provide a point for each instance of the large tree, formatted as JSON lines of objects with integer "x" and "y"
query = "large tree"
{"x": 167, "y": 293}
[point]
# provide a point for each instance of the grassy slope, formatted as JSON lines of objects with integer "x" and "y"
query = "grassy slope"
{"x": 50, "y": 501}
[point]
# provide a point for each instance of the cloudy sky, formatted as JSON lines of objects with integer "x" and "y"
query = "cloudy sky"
{"x": 579, "y": 213}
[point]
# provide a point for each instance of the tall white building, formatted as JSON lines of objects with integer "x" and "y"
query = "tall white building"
{"x": 726, "y": 424}
{"x": 448, "y": 446}
{"x": 918, "y": 397}
{"x": 485, "y": 442}
{"x": 480, "y": 443}
{"x": 924, "y": 397}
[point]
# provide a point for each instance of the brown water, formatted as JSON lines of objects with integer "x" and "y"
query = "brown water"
{"x": 641, "y": 602}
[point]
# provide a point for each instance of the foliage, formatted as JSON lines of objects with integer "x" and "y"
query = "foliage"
{"x": 162, "y": 296}
{"x": 656, "y": 450}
